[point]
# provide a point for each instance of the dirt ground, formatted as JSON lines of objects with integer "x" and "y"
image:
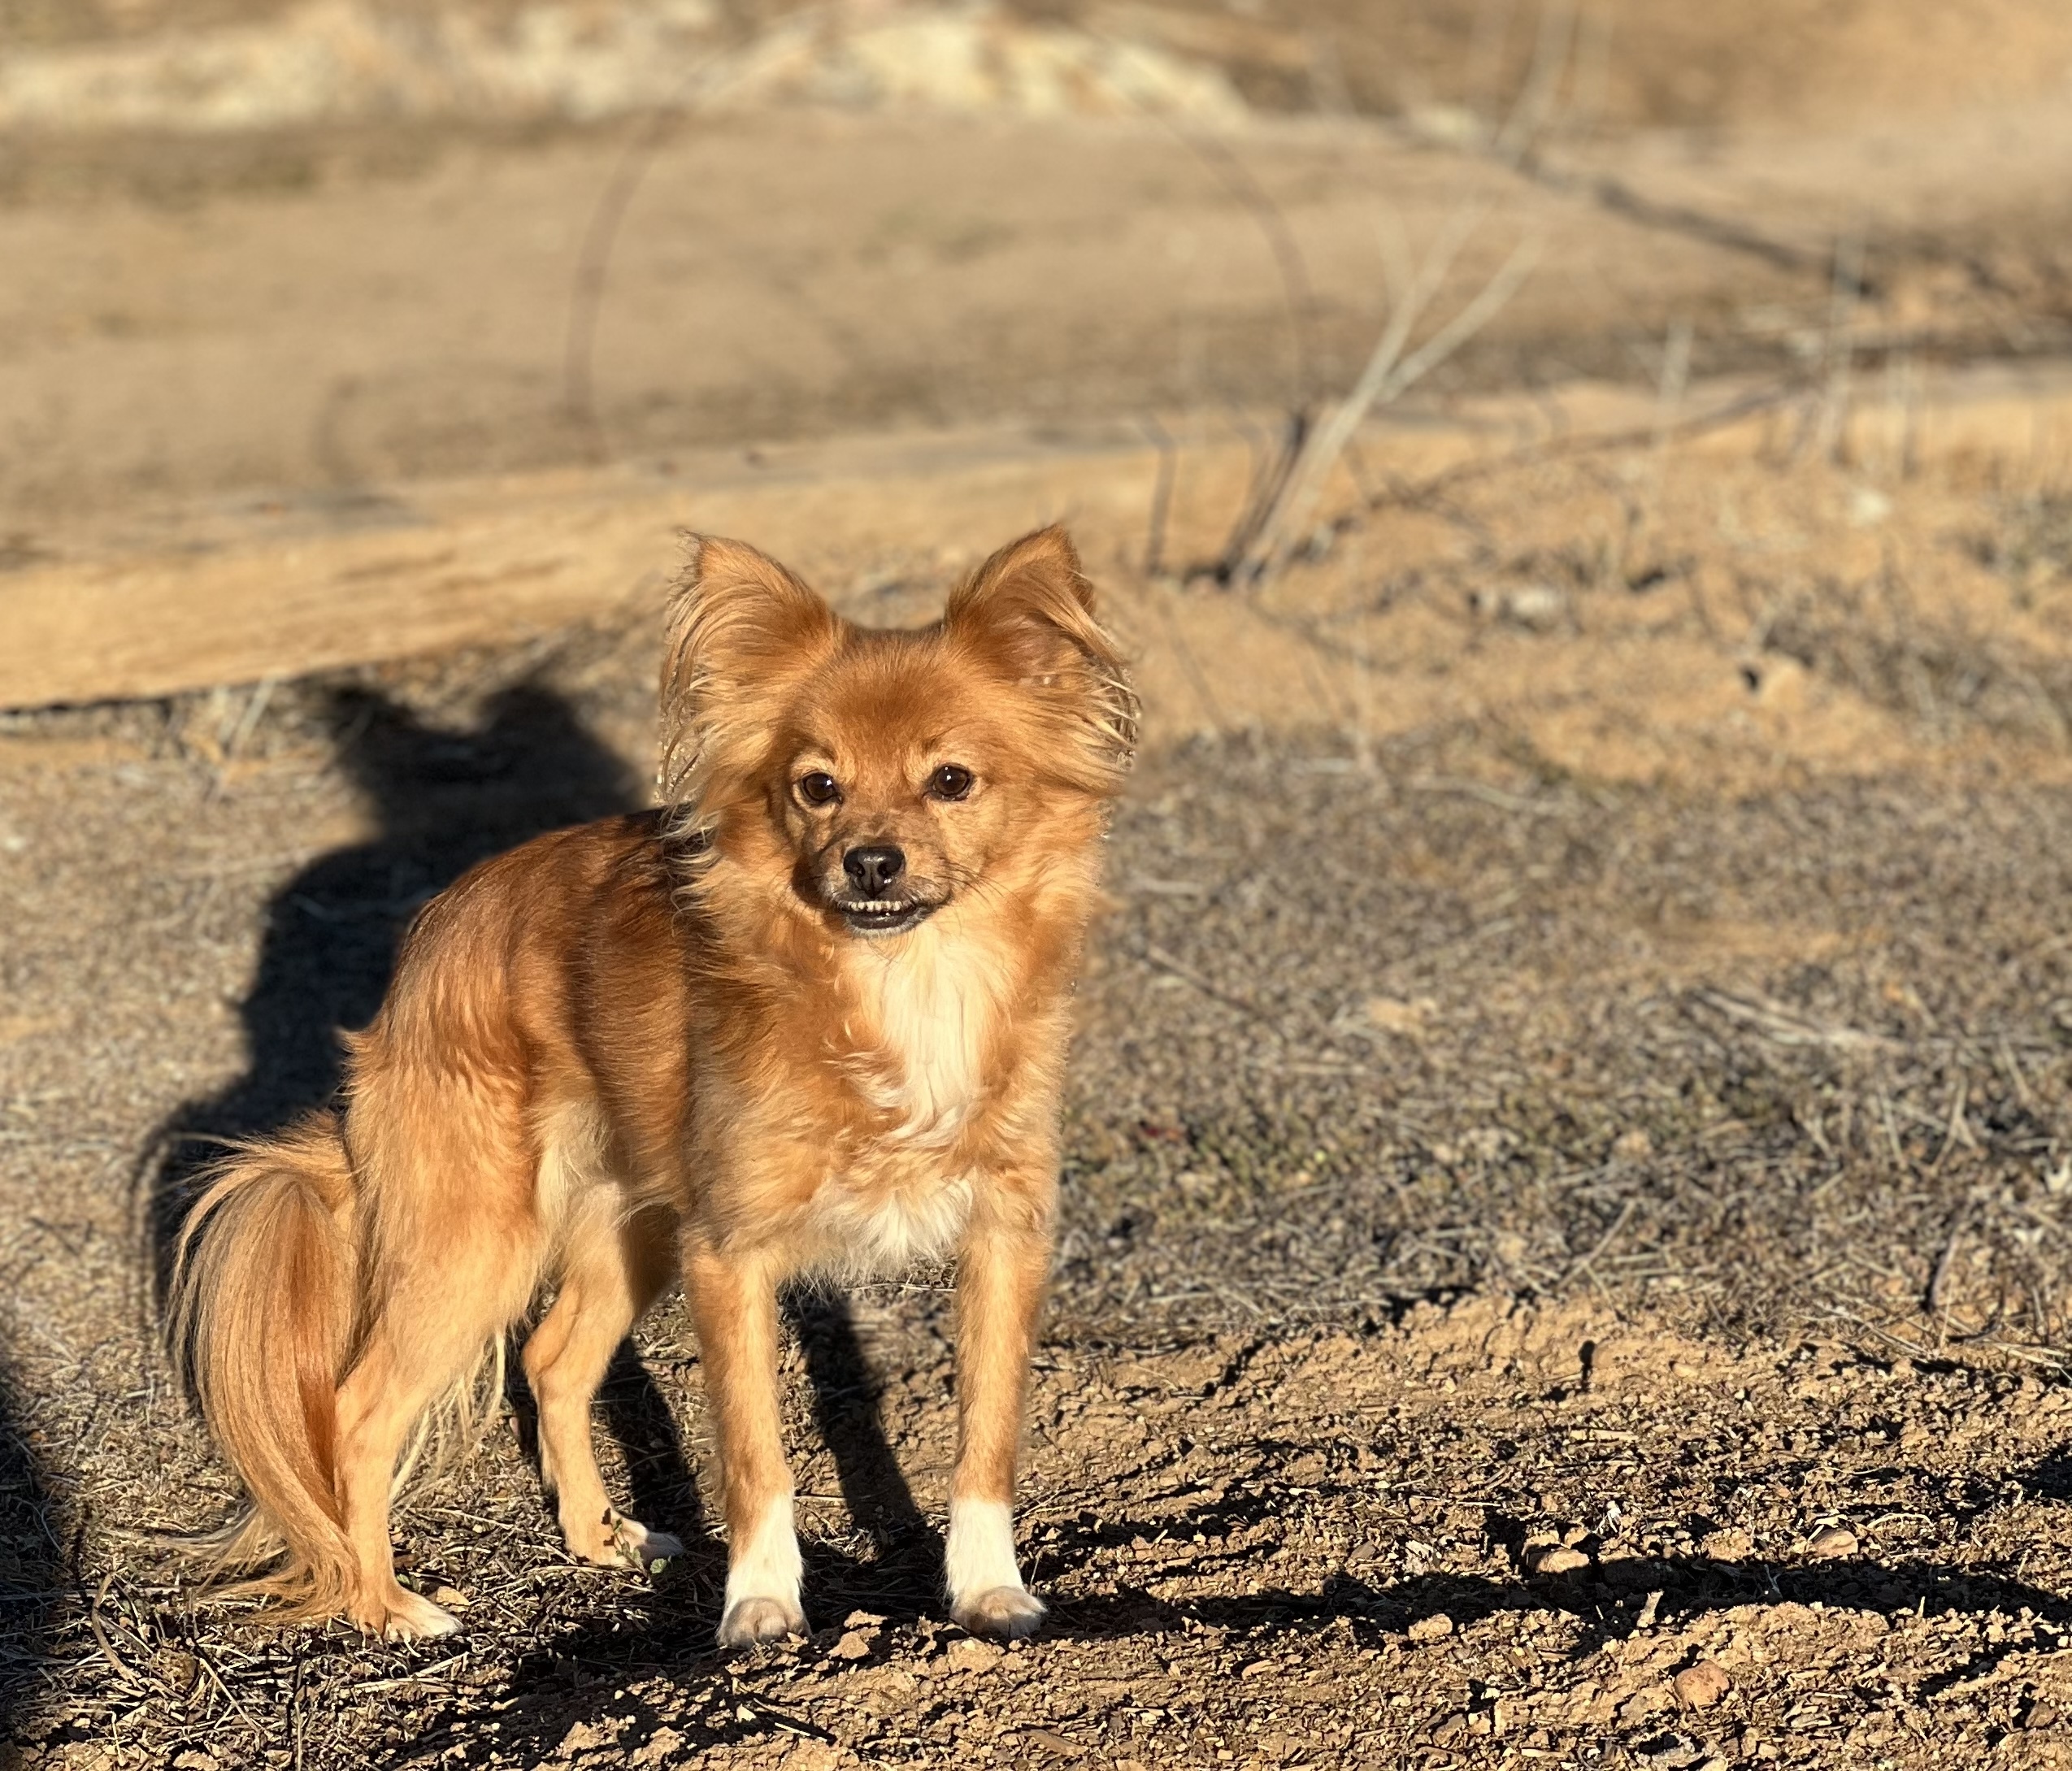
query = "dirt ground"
{"x": 1569, "y": 1142}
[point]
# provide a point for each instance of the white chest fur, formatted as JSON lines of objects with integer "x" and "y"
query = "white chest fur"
{"x": 924, "y": 1010}
{"x": 925, "y": 1007}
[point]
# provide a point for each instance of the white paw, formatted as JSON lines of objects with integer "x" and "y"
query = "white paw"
{"x": 762, "y": 1577}
{"x": 986, "y": 1593}
{"x": 1009, "y": 1611}
{"x": 758, "y": 1619}
{"x": 409, "y": 1617}
{"x": 640, "y": 1547}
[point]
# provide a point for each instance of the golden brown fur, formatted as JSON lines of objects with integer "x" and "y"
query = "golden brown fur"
{"x": 769, "y": 1029}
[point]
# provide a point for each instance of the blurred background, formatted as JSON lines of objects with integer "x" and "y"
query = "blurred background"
{"x": 318, "y": 246}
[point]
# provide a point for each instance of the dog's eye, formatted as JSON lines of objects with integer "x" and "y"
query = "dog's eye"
{"x": 819, "y": 788}
{"x": 952, "y": 781}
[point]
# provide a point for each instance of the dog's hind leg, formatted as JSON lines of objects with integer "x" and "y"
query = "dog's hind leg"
{"x": 378, "y": 1404}
{"x": 456, "y": 1246}
{"x": 611, "y": 1272}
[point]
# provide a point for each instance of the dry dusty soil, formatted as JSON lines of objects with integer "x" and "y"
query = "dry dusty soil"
{"x": 1569, "y": 1142}
{"x": 1567, "y": 1189}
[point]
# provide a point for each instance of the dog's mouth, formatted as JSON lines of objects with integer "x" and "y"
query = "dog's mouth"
{"x": 885, "y": 916}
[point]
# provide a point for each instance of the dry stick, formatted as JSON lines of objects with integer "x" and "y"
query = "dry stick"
{"x": 1604, "y": 1241}
{"x": 1958, "y": 1130}
{"x": 1296, "y": 290}
{"x": 1841, "y": 317}
{"x": 1409, "y": 293}
{"x": 1388, "y": 376}
{"x": 1161, "y": 497}
{"x": 1669, "y": 400}
{"x": 593, "y": 265}
{"x": 1550, "y": 51}
{"x": 1937, "y": 1300}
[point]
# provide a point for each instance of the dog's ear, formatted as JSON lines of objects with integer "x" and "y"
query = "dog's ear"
{"x": 1029, "y": 612}
{"x": 742, "y": 631}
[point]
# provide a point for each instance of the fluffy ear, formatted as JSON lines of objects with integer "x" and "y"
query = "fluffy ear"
{"x": 741, "y": 630}
{"x": 1029, "y": 611}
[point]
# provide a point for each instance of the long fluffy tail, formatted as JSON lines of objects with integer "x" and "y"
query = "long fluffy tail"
{"x": 263, "y": 1305}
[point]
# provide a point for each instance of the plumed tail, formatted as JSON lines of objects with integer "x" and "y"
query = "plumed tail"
{"x": 263, "y": 1306}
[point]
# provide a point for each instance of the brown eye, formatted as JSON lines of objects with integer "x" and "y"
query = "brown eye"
{"x": 819, "y": 788}
{"x": 952, "y": 781}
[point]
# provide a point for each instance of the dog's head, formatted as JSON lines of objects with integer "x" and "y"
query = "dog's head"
{"x": 882, "y": 775}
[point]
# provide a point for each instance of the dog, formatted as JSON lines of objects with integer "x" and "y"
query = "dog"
{"x": 809, "y": 1017}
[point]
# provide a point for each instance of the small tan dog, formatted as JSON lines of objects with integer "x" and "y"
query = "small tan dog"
{"x": 810, "y": 1017}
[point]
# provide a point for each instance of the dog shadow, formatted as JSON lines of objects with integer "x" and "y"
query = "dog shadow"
{"x": 31, "y": 1562}
{"x": 439, "y": 800}
{"x": 904, "y": 1567}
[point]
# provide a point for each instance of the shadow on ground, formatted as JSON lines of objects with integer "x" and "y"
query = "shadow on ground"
{"x": 584, "y": 1674}
{"x": 30, "y": 1557}
{"x": 442, "y": 800}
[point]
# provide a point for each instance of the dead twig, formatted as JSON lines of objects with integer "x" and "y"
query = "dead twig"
{"x": 1161, "y": 497}
{"x": 1785, "y": 1027}
{"x": 1604, "y": 1241}
{"x": 1389, "y": 373}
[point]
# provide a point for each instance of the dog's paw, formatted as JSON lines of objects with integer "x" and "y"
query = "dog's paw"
{"x": 639, "y": 1547}
{"x": 1009, "y": 1612}
{"x": 756, "y": 1619}
{"x": 398, "y": 1615}
{"x": 612, "y": 1540}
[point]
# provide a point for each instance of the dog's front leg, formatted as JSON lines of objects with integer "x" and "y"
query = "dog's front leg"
{"x": 733, "y": 1301}
{"x": 999, "y": 1296}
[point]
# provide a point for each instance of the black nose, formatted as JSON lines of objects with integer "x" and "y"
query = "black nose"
{"x": 874, "y": 868}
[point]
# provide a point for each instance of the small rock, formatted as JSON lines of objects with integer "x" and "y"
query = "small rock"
{"x": 1435, "y": 1628}
{"x": 1729, "y": 1544}
{"x": 969, "y": 1655}
{"x": 855, "y": 1645}
{"x": 1868, "y": 507}
{"x": 1702, "y": 1686}
{"x": 1393, "y": 1014}
{"x": 1556, "y": 1559}
{"x": 1633, "y": 1146}
{"x": 1831, "y": 1541}
{"x": 451, "y": 1597}
{"x": 1537, "y": 608}
{"x": 1257, "y": 1669}
{"x": 862, "y": 1620}
{"x": 194, "y": 1759}
{"x": 2040, "y": 1715}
